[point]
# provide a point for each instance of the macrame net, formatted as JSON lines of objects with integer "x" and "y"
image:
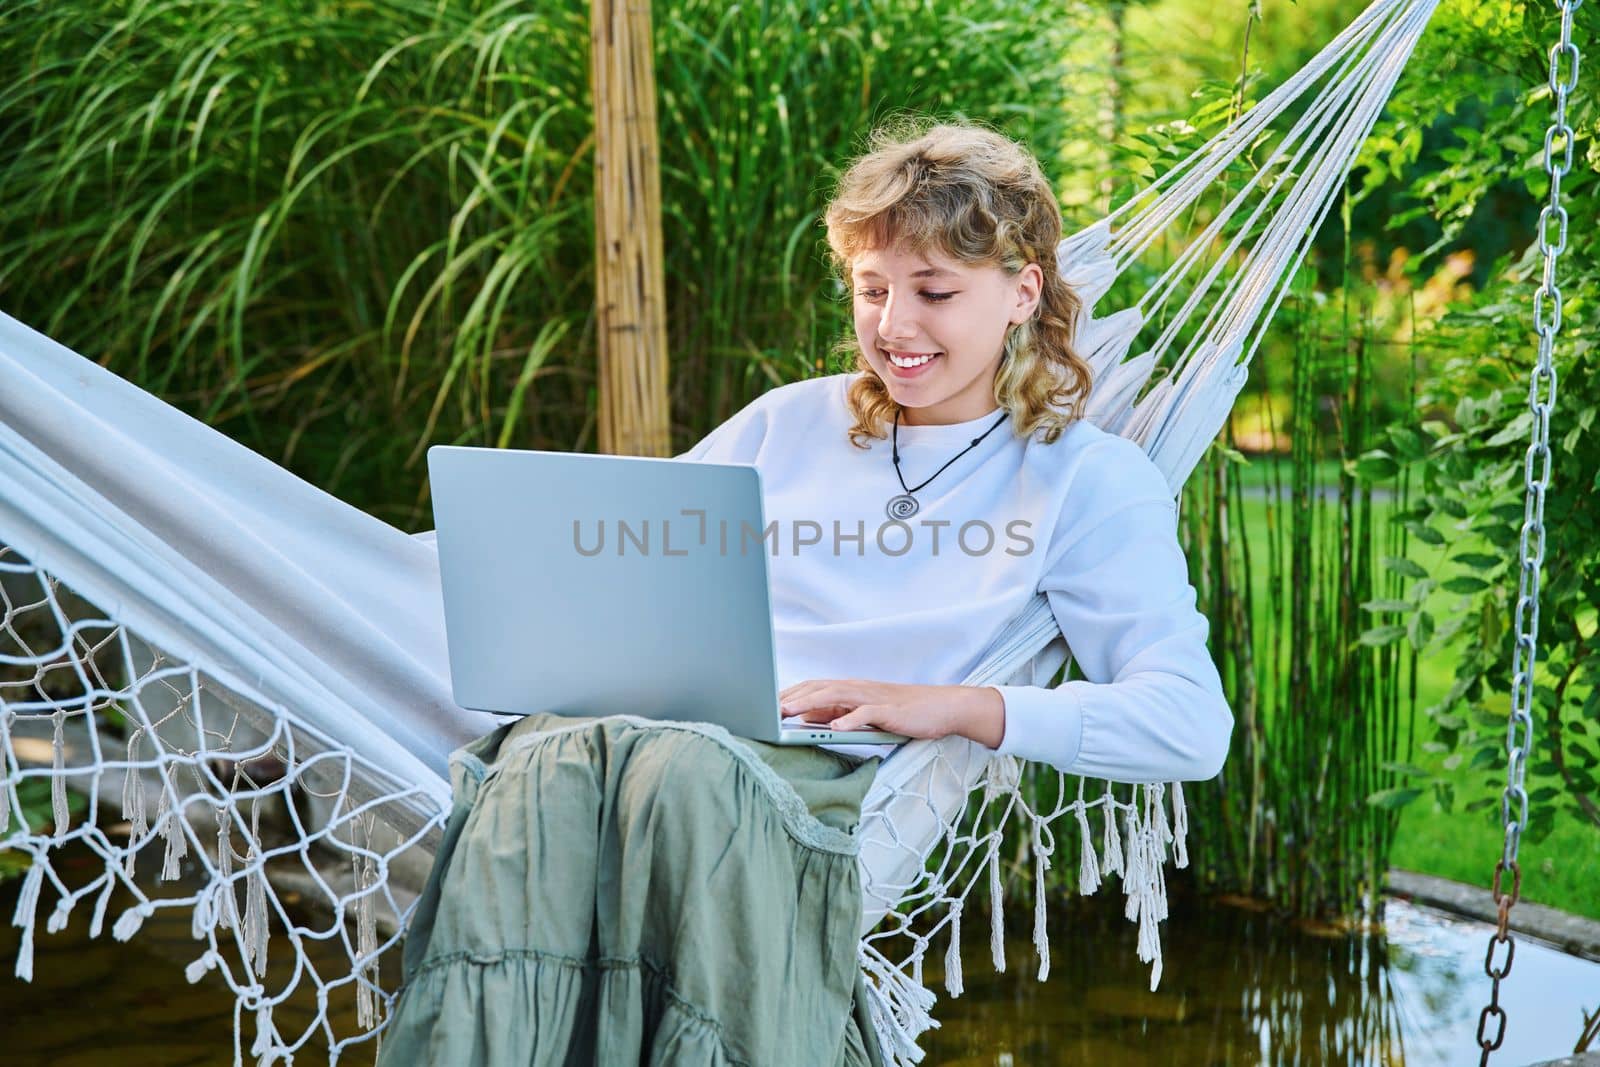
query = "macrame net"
{"x": 180, "y": 765}
{"x": 247, "y": 679}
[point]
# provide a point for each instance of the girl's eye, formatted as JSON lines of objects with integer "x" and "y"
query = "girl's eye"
{"x": 931, "y": 297}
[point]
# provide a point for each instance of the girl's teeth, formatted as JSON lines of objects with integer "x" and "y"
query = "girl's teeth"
{"x": 899, "y": 361}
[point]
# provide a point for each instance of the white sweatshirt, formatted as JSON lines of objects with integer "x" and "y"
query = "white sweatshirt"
{"x": 1088, "y": 520}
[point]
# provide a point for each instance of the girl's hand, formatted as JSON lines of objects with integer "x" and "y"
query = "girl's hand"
{"x": 925, "y": 711}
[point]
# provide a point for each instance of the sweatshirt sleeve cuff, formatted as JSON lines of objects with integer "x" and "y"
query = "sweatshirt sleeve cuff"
{"x": 1042, "y": 724}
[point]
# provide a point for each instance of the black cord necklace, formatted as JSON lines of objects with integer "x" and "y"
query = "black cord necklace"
{"x": 905, "y": 505}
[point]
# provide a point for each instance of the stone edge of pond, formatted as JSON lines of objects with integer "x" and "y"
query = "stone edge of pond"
{"x": 1574, "y": 935}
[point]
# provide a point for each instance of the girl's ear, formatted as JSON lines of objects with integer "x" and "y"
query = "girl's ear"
{"x": 1030, "y": 288}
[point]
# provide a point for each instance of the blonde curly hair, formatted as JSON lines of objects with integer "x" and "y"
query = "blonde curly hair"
{"x": 978, "y": 197}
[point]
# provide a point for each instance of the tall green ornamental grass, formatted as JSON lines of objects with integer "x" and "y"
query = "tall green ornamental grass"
{"x": 1306, "y": 815}
{"x": 340, "y": 232}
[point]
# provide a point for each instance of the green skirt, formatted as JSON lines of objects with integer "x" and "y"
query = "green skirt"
{"x": 621, "y": 891}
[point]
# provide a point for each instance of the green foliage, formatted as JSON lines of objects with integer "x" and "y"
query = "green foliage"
{"x": 1472, "y": 493}
{"x": 1471, "y": 461}
{"x": 340, "y": 232}
{"x": 1461, "y": 149}
{"x": 34, "y": 811}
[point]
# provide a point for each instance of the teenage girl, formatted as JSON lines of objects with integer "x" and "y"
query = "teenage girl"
{"x": 622, "y": 891}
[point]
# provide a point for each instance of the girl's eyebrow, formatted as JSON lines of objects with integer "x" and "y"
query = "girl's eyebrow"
{"x": 931, "y": 272}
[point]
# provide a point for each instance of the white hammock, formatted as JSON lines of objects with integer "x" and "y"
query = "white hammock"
{"x": 255, "y": 674}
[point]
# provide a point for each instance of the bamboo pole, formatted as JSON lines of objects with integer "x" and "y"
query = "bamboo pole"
{"x": 630, "y": 282}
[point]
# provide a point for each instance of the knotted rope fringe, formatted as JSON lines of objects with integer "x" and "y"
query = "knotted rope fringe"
{"x": 174, "y": 756}
{"x": 1135, "y": 851}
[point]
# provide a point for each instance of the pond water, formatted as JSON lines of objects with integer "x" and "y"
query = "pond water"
{"x": 1238, "y": 988}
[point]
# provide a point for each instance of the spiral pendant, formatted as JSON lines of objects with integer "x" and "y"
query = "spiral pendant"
{"x": 902, "y": 507}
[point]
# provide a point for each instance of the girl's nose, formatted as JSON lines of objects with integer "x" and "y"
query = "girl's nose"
{"x": 893, "y": 326}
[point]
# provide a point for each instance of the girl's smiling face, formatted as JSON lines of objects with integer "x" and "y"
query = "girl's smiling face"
{"x": 919, "y": 305}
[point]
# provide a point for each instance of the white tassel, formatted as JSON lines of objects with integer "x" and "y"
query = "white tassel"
{"x": 133, "y": 804}
{"x": 1180, "y": 826}
{"x": 1150, "y": 936}
{"x": 197, "y": 970}
{"x": 1159, "y": 881}
{"x": 97, "y": 921}
{"x": 1156, "y": 857}
{"x": 266, "y": 1036}
{"x": 1041, "y": 942}
{"x": 1041, "y": 895}
{"x": 1088, "y": 861}
{"x": 177, "y": 849}
{"x": 228, "y": 905}
{"x": 1156, "y": 902}
{"x": 60, "y": 914}
{"x": 366, "y": 925}
{"x": 1001, "y": 776}
{"x": 133, "y": 789}
{"x": 255, "y": 903}
{"x": 177, "y": 846}
{"x": 900, "y": 1010}
{"x": 1156, "y": 812}
{"x": 5, "y": 790}
{"x": 255, "y": 922}
{"x": 1113, "y": 842}
{"x": 997, "y": 922}
{"x": 952, "y": 956}
{"x": 24, "y": 915}
{"x": 1138, "y": 880}
{"x": 58, "y": 779}
{"x": 1149, "y": 942}
{"x": 1133, "y": 879}
{"x": 203, "y": 916}
{"x": 128, "y": 922}
{"x": 893, "y": 1023}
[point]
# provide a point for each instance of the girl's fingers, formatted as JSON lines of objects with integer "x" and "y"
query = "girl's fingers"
{"x": 807, "y": 695}
{"x": 795, "y": 692}
{"x": 811, "y": 687}
{"x": 863, "y": 717}
{"x": 825, "y": 700}
{"x": 825, "y": 714}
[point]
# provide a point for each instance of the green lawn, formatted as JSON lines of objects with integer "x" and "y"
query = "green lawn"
{"x": 1562, "y": 871}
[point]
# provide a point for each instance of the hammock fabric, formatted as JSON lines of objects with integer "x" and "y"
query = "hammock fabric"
{"x": 252, "y": 674}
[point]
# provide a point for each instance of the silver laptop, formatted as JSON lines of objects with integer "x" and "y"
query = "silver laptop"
{"x": 611, "y": 585}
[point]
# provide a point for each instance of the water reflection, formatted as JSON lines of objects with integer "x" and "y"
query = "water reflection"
{"x": 1241, "y": 988}
{"x": 1238, "y": 988}
{"x": 91, "y": 997}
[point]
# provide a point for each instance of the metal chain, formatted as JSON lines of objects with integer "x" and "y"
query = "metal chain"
{"x": 1547, "y": 323}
